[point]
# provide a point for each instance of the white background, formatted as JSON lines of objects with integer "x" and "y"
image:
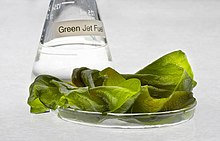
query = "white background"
{"x": 138, "y": 32}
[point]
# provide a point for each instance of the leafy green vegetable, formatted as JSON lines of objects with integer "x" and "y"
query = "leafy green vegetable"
{"x": 117, "y": 92}
{"x": 146, "y": 103}
{"x": 177, "y": 58}
{"x": 179, "y": 99}
{"x": 44, "y": 95}
{"x": 116, "y": 96}
{"x": 76, "y": 77}
{"x": 88, "y": 77}
{"x": 166, "y": 84}
{"x": 172, "y": 67}
{"x": 167, "y": 75}
{"x": 112, "y": 78}
{"x": 82, "y": 77}
{"x": 158, "y": 93}
{"x": 82, "y": 99}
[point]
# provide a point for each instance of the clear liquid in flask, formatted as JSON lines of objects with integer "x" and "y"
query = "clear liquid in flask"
{"x": 59, "y": 57}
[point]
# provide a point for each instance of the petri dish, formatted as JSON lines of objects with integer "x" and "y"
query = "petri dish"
{"x": 128, "y": 120}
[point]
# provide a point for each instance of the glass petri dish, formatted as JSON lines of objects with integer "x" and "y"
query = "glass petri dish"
{"x": 133, "y": 120}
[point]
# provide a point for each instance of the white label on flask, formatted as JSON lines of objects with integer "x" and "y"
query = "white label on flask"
{"x": 78, "y": 28}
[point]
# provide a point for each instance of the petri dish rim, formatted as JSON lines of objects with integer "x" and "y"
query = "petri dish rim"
{"x": 133, "y": 120}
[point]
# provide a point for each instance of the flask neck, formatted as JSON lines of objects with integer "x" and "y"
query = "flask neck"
{"x": 72, "y": 18}
{"x": 77, "y": 9}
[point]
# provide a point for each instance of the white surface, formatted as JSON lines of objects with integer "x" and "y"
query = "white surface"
{"x": 138, "y": 32}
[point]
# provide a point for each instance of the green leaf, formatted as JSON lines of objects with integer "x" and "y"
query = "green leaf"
{"x": 172, "y": 72}
{"x": 83, "y": 77}
{"x": 179, "y": 100}
{"x": 91, "y": 78}
{"x": 159, "y": 93}
{"x": 173, "y": 79}
{"x": 177, "y": 58}
{"x": 44, "y": 95}
{"x": 146, "y": 103}
{"x": 78, "y": 97}
{"x": 76, "y": 77}
{"x": 81, "y": 98}
{"x": 167, "y": 77}
{"x": 116, "y": 96}
{"x": 36, "y": 105}
{"x": 63, "y": 87}
{"x": 128, "y": 104}
{"x": 112, "y": 77}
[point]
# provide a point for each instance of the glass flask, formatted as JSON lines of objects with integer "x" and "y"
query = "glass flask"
{"x": 73, "y": 36}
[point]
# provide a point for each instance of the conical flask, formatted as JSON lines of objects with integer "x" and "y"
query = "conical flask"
{"x": 73, "y": 36}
